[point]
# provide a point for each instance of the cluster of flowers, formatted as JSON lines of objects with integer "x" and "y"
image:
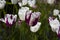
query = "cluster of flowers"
{"x": 31, "y": 3}
{"x": 54, "y": 22}
{"x": 31, "y": 18}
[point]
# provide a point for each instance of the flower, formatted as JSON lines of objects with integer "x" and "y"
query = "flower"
{"x": 32, "y": 20}
{"x": 36, "y": 27}
{"x": 22, "y": 13}
{"x": 55, "y": 12}
{"x": 50, "y": 1}
{"x": 9, "y": 19}
{"x": 14, "y": 1}
{"x": 54, "y": 23}
{"x": 2, "y": 4}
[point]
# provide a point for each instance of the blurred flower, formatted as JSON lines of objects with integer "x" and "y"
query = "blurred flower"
{"x": 22, "y": 13}
{"x": 14, "y": 1}
{"x": 50, "y": 1}
{"x": 55, "y": 25}
{"x": 9, "y": 19}
{"x": 55, "y": 12}
{"x": 32, "y": 20}
{"x": 2, "y": 4}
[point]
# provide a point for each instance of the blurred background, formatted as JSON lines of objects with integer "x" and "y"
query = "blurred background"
{"x": 22, "y": 32}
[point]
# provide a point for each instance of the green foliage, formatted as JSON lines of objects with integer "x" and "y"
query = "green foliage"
{"x": 23, "y": 32}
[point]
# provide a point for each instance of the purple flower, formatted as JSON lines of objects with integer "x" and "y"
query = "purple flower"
{"x": 9, "y": 19}
{"x": 32, "y": 18}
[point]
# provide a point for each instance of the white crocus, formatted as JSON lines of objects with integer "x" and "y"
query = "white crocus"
{"x": 31, "y": 3}
{"x": 22, "y": 13}
{"x": 54, "y": 24}
{"x": 36, "y": 27}
{"x": 14, "y": 1}
{"x": 55, "y": 12}
{"x": 50, "y": 1}
{"x": 2, "y": 4}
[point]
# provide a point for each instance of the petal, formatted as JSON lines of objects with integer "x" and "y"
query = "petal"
{"x": 34, "y": 18}
{"x": 55, "y": 12}
{"x": 36, "y": 27}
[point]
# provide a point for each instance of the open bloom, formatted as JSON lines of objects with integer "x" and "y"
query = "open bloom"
{"x": 32, "y": 20}
{"x": 14, "y": 1}
{"x": 22, "y": 13}
{"x": 50, "y": 1}
{"x": 55, "y": 25}
{"x": 9, "y": 19}
{"x": 2, "y": 4}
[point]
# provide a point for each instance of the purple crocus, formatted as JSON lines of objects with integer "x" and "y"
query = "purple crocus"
{"x": 32, "y": 18}
{"x": 9, "y": 19}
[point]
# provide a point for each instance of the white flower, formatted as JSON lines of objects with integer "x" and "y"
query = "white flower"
{"x": 14, "y": 1}
{"x": 2, "y": 4}
{"x": 22, "y": 13}
{"x": 54, "y": 24}
{"x": 36, "y": 27}
{"x": 9, "y": 19}
{"x": 50, "y": 1}
{"x": 31, "y": 3}
{"x": 55, "y": 12}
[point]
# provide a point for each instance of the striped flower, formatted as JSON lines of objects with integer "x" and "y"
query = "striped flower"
{"x": 32, "y": 20}
{"x": 2, "y": 4}
{"x": 9, "y": 19}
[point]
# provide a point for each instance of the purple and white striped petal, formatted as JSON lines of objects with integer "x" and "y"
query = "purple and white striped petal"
{"x": 32, "y": 18}
{"x": 9, "y": 19}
